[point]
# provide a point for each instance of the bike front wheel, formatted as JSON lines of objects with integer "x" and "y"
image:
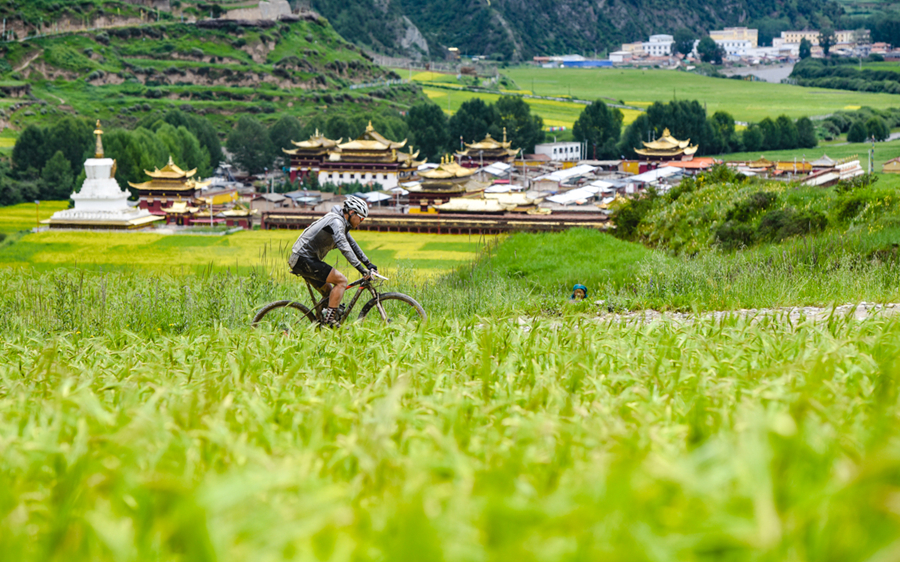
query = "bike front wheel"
{"x": 395, "y": 307}
{"x": 283, "y": 316}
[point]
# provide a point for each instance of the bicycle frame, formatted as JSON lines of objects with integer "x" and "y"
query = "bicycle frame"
{"x": 360, "y": 285}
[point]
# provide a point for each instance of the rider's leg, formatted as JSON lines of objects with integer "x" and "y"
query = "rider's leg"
{"x": 339, "y": 282}
{"x": 325, "y": 289}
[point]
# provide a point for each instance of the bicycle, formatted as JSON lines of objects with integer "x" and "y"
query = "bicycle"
{"x": 285, "y": 315}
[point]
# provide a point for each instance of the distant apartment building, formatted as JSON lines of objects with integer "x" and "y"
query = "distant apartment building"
{"x": 735, "y": 35}
{"x": 792, "y": 37}
{"x": 734, "y": 47}
{"x": 845, "y": 36}
{"x": 560, "y": 151}
{"x": 659, "y": 45}
{"x": 636, "y": 48}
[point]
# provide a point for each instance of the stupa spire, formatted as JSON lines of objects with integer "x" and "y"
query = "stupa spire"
{"x": 98, "y": 153}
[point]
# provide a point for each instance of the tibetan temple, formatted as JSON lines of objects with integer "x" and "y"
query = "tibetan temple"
{"x": 309, "y": 154}
{"x": 486, "y": 152}
{"x": 667, "y": 148}
{"x": 165, "y": 187}
{"x": 440, "y": 184}
{"x": 369, "y": 159}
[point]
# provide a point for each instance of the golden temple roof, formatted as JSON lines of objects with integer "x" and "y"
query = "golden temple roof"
{"x": 667, "y": 145}
{"x": 170, "y": 171}
{"x": 314, "y": 142}
{"x": 447, "y": 170}
{"x": 181, "y": 208}
{"x": 371, "y": 140}
{"x": 489, "y": 143}
{"x": 761, "y": 163}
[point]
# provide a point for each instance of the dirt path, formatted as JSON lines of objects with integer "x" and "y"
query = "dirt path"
{"x": 794, "y": 314}
{"x": 29, "y": 61}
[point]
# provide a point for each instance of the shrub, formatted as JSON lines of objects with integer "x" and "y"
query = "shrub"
{"x": 848, "y": 208}
{"x": 733, "y": 235}
{"x": 780, "y": 224}
{"x": 747, "y": 209}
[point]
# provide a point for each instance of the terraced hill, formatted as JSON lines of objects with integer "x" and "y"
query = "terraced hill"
{"x": 216, "y": 68}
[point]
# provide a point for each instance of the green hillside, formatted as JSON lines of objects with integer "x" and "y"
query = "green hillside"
{"x": 520, "y": 29}
{"x": 218, "y": 69}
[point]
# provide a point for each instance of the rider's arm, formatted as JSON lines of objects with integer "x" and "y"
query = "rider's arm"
{"x": 343, "y": 244}
{"x": 359, "y": 253}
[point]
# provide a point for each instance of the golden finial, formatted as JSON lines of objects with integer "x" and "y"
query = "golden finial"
{"x": 369, "y": 127}
{"x": 98, "y": 153}
{"x": 171, "y": 163}
{"x": 504, "y": 135}
{"x": 317, "y": 131}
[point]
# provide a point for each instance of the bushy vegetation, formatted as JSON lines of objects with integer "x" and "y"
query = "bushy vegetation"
{"x": 842, "y": 74}
{"x": 724, "y": 209}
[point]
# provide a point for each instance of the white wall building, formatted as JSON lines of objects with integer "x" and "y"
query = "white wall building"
{"x": 560, "y": 151}
{"x": 737, "y": 47}
{"x": 659, "y": 45}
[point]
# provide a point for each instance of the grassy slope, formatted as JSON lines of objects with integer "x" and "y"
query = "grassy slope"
{"x": 124, "y": 104}
{"x": 746, "y": 101}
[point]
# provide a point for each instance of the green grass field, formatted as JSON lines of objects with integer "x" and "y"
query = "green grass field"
{"x": 26, "y": 216}
{"x": 429, "y": 253}
{"x": 746, "y": 101}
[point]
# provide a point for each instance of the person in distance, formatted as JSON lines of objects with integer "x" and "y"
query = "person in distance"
{"x": 330, "y": 232}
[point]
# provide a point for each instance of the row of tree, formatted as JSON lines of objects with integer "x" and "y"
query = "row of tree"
{"x": 47, "y": 162}
{"x": 601, "y": 128}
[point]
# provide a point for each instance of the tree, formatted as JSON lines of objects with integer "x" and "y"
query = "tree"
{"x": 185, "y": 149}
{"x": 877, "y": 128}
{"x": 806, "y": 133}
{"x": 282, "y": 132}
{"x": 684, "y": 41}
{"x": 771, "y": 134}
{"x": 57, "y": 176}
{"x": 826, "y": 39}
{"x": 634, "y": 136}
{"x": 790, "y": 138}
{"x": 249, "y": 145}
{"x": 428, "y": 127}
{"x": 337, "y": 127}
{"x": 472, "y": 121}
{"x": 600, "y": 127}
{"x": 858, "y": 132}
{"x": 722, "y": 124}
{"x": 752, "y": 138}
{"x": 198, "y": 126}
{"x": 523, "y": 129}
{"x": 709, "y": 51}
{"x": 134, "y": 152}
{"x": 30, "y": 151}
{"x": 74, "y": 137}
{"x": 805, "y": 48}
{"x": 685, "y": 120}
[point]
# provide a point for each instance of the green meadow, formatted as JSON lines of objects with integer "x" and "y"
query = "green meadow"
{"x": 745, "y": 101}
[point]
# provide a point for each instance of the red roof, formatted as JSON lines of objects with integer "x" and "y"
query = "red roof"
{"x": 694, "y": 164}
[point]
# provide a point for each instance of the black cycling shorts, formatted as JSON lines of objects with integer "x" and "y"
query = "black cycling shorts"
{"x": 313, "y": 270}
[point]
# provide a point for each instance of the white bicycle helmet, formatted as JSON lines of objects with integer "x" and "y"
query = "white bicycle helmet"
{"x": 356, "y": 204}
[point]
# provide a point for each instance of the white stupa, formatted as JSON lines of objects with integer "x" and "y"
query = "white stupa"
{"x": 101, "y": 203}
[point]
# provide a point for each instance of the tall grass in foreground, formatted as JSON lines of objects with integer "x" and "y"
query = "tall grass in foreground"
{"x": 456, "y": 442}
{"x": 530, "y": 275}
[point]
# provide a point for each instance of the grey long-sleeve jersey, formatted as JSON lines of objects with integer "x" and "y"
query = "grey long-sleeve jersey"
{"x": 326, "y": 234}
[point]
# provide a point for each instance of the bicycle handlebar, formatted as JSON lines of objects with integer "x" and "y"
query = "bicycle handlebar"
{"x": 366, "y": 279}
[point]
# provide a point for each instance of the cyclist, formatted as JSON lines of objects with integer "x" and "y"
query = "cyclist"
{"x": 322, "y": 236}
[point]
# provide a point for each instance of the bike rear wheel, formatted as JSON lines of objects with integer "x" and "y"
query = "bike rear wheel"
{"x": 397, "y": 307}
{"x": 283, "y": 316}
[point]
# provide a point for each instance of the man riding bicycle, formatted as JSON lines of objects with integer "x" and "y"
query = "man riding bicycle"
{"x": 321, "y": 237}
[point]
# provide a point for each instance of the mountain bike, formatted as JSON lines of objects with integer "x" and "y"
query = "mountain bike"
{"x": 286, "y": 316}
